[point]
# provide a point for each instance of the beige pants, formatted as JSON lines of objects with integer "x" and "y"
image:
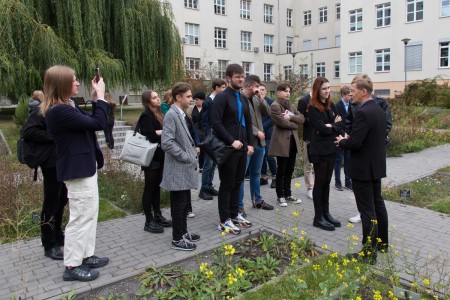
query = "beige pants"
{"x": 81, "y": 230}
{"x": 307, "y": 168}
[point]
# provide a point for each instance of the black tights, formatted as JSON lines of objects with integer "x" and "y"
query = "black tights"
{"x": 321, "y": 193}
{"x": 151, "y": 196}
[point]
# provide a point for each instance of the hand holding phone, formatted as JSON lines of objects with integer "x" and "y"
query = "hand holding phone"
{"x": 97, "y": 74}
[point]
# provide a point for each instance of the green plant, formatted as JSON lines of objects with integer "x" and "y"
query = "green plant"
{"x": 428, "y": 92}
{"x": 21, "y": 112}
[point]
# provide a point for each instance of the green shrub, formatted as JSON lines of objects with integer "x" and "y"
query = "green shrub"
{"x": 428, "y": 92}
{"x": 21, "y": 113}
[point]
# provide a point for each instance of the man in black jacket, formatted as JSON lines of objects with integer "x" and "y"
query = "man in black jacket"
{"x": 307, "y": 165}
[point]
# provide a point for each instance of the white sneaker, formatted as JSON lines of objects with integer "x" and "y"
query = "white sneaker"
{"x": 355, "y": 219}
{"x": 241, "y": 221}
{"x": 282, "y": 202}
{"x": 190, "y": 214}
{"x": 293, "y": 200}
{"x": 309, "y": 194}
{"x": 229, "y": 227}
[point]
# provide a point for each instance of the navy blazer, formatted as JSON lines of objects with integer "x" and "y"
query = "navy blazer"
{"x": 73, "y": 131}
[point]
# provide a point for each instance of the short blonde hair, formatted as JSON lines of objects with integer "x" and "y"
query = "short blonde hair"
{"x": 363, "y": 82}
{"x": 38, "y": 95}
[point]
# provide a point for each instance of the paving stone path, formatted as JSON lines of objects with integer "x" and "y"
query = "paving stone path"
{"x": 26, "y": 273}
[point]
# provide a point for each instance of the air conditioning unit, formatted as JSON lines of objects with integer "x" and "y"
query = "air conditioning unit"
{"x": 256, "y": 49}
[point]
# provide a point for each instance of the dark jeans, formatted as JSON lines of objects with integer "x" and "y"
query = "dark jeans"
{"x": 231, "y": 175}
{"x": 323, "y": 170}
{"x": 109, "y": 136}
{"x": 374, "y": 217}
{"x": 151, "y": 196}
{"x": 208, "y": 173}
{"x": 342, "y": 154}
{"x": 285, "y": 168}
{"x": 55, "y": 199}
{"x": 189, "y": 203}
{"x": 268, "y": 160}
{"x": 178, "y": 211}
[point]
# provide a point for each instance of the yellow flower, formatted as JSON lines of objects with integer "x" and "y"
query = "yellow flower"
{"x": 355, "y": 238}
{"x": 209, "y": 273}
{"x": 334, "y": 255}
{"x": 363, "y": 278}
{"x": 229, "y": 249}
{"x": 301, "y": 238}
{"x": 283, "y": 231}
{"x": 345, "y": 262}
{"x": 374, "y": 221}
{"x": 293, "y": 245}
{"x": 299, "y": 280}
{"x": 350, "y": 225}
{"x": 231, "y": 279}
{"x": 295, "y": 213}
{"x": 240, "y": 272}
{"x": 223, "y": 233}
{"x": 340, "y": 275}
{"x": 378, "y": 240}
{"x": 297, "y": 185}
{"x": 358, "y": 298}
{"x": 316, "y": 267}
{"x": 377, "y": 295}
{"x": 295, "y": 229}
{"x": 203, "y": 267}
{"x": 230, "y": 298}
{"x": 426, "y": 281}
{"x": 303, "y": 232}
{"x": 413, "y": 284}
{"x": 324, "y": 246}
{"x": 358, "y": 270}
{"x": 306, "y": 260}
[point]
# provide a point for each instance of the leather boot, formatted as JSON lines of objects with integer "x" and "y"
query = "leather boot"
{"x": 323, "y": 224}
{"x": 332, "y": 220}
{"x": 153, "y": 227}
{"x": 162, "y": 221}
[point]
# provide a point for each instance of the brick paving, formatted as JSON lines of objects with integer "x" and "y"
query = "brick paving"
{"x": 25, "y": 272}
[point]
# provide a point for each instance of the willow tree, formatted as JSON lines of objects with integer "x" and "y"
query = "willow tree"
{"x": 135, "y": 42}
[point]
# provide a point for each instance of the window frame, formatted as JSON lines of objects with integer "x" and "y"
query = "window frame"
{"x": 220, "y": 7}
{"x": 245, "y": 11}
{"x": 383, "y": 8}
{"x": 307, "y": 42}
{"x": 322, "y": 72}
{"x": 447, "y": 47}
{"x": 246, "y": 43}
{"x": 268, "y": 14}
{"x": 192, "y": 35}
{"x": 289, "y": 14}
{"x": 247, "y": 66}
{"x": 357, "y": 67}
{"x": 268, "y": 73}
{"x": 320, "y": 42}
{"x": 221, "y": 68}
{"x": 356, "y": 14}
{"x": 192, "y": 4}
{"x": 195, "y": 63}
{"x": 446, "y": 7}
{"x": 289, "y": 44}
{"x": 323, "y": 14}
{"x": 415, "y": 12}
{"x": 304, "y": 70}
{"x": 220, "y": 42}
{"x": 268, "y": 47}
{"x": 307, "y": 18}
{"x": 337, "y": 71}
{"x": 384, "y": 63}
{"x": 338, "y": 11}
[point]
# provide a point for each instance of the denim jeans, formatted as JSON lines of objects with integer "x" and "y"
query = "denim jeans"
{"x": 268, "y": 160}
{"x": 209, "y": 168}
{"x": 254, "y": 163}
{"x": 337, "y": 165}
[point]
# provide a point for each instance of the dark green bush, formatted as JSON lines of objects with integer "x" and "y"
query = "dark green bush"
{"x": 21, "y": 113}
{"x": 428, "y": 92}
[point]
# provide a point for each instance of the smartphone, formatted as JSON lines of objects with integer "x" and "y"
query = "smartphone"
{"x": 97, "y": 74}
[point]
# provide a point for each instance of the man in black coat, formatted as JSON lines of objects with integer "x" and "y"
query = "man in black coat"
{"x": 367, "y": 167}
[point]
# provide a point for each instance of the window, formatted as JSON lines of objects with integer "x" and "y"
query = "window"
{"x": 193, "y": 67}
{"x": 414, "y": 10}
{"x": 246, "y": 41}
{"x": 444, "y": 55}
{"x": 307, "y": 18}
{"x": 355, "y": 62}
{"x": 245, "y": 9}
{"x": 220, "y": 38}
{"x": 383, "y": 14}
{"x": 191, "y": 4}
{"x": 221, "y": 68}
{"x": 445, "y": 8}
{"x": 337, "y": 41}
{"x": 382, "y": 92}
{"x": 306, "y": 45}
{"x": 337, "y": 69}
{"x": 268, "y": 72}
{"x": 414, "y": 57}
{"x": 289, "y": 44}
{"x": 323, "y": 14}
{"x": 268, "y": 13}
{"x": 268, "y": 43}
{"x": 383, "y": 60}
{"x": 219, "y": 7}
{"x": 355, "y": 20}
{"x": 304, "y": 71}
{"x": 289, "y": 17}
{"x": 323, "y": 43}
{"x": 338, "y": 11}
{"x": 247, "y": 66}
{"x": 191, "y": 33}
{"x": 287, "y": 72}
{"x": 320, "y": 69}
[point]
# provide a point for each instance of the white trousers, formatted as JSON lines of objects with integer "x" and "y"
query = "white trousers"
{"x": 81, "y": 231}
{"x": 307, "y": 168}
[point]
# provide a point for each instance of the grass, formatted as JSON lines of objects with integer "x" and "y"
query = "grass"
{"x": 446, "y": 169}
{"x": 431, "y": 192}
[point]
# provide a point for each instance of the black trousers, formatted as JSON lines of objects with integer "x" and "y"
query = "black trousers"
{"x": 374, "y": 217}
{"x": 231, "y": 175}
{"x": 323, "y": 170}
{"x": 55, "y": 199}
{"x": 285, "y": 168}
{"x": 151, "y": 201}
{"x": 178, "y": 211}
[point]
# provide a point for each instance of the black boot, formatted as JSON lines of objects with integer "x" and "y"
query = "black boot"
{"x": 323, "y": 224}
{"x": 332, "y": 220}
{"x": 162, "y": 221}
{"x": 152, "y": 226}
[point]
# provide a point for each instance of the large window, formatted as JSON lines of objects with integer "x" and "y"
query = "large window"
{"x": 320, "y": 69}
{"x": 307, "y": 18}
{"x": 287, "y": 72}
{"x": 268, "y": 13}
{"x": 306, "y": 45}
{"x": 383, "y": 14}
{"x": 191, "y": 33}
{"x": 338, "y": 11}
{"x": 323, "y": 14}
{"x": 245, "y": 9}
{"x": 268, "y": 43}
{"x": 444, "y": 54}
{"x": 193, "y": 67}
{"x": 246, "y": 41}
{"x": 268, "y": 72}
{"x": 355, "y": 62}
{"x": 383, "y": 60}
{"x": 414, "y": 10}
{"x": 337, "y": 40}
{"x": 337, "y": 69}
{"x": 445, "y": 8}
{"x": 221, "y": 68}
{"x": 191, "y": 4}
{"x": 355, "y": 20}
{"x": 289, "y": 17}
{"x": 248, "y": 68}
{"x": 220, "y": 37}
{"x": 289, "y": 44}
{"x": 219, "y": 7}
{"x": 304, "y": 71}
{"x": 323, "y": 43}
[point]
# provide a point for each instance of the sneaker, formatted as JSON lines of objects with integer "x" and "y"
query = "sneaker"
{"x": 205, "y": 195}
{"x": 282, "y": 202}
{"x": 242, "y": 212}
{"x": 241, "y": 221}
{"x": 338, "y": 186}
{"x": 213, "y": 192}
{"x": 355, "y": 219}
{"x": 262, "y": 205}
{"x": 273, "y": 184}
{"x": 263, "y": 181}
{"x": 183, "y": 245}
{"x": 95, "y": 261}
{"x": 191, "y": 237}
{"x": 190, "y": 214}
{"x": 349, "y": 186}
{"x": 309, "y": 194}
{"x": 229, "y": 227}
{"x": 81, "y": 273}
{"x": 293, "y": 200}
